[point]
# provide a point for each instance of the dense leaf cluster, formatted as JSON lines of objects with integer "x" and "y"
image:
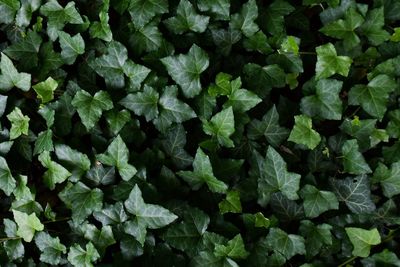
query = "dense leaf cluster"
{"x": 199, "y": 133}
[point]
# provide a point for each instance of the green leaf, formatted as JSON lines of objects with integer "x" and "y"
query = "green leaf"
{"x": 147, "y": 38}
{"x": 329, "y": 63}
{"x": 80, "y": 257}
{"x": 242, "y": 100}
{"x": 82, "y": 200}
{"x": 221, "y": 126}
{"x": 234, "y": 249}
{"x": 50, "y": 247}
{"x": 117, "y": 155}
{"x": 355, "y": 192}
{"x": 274, "y": 177}
{"x": 185, "y": 70}
{"x": 362, "y": 240}
{"x": 27, "y": 225}
{"x": 186, "y": 19}
{"x": 102, "y": 238}
{"x": 386, "y": 257}
{"x": 173, "y": 145}
{"x": 262, "y": 79}
{"x": 45, "y": 89}
{"x": 111, "y": 215}
{"x": 373, "y": 97}
{"x": 274, "y": 17}
{"x": 76, "y": 162}
{"x": 317, "y": 202}
{"x": 326, "y": 103}
{"x": 316, "y": 236}
{"x": 116, "y": 120}
{"x": 101, "y": 29}
{"x": 10, "y": 77}
{"x": 231, "y": 203}
{"x": 344, "y": 29}
{"x": 353, "y": 160}
{"x": 261, "y": 221}
{"x": 268, "y": 127}
{"x": 220, "y": 8}
{"x": 142, "y": 11}
{"x": 90, "y": 108}
{"x": 7, "y": 181}
{"x": 388, "y": 178}
{"x": 19, "y": 123}
{"x": 24, "y": 14}
{"x": 55, "y": 173}
{"x": 71, "y": 46}
{"x": 8, "y": 9}
{"x": 373, "y": 26}
{"x": 203, "y": 173}
{"x": 136, "y": 74}
{"x": 286, "y": 244}
{"x": 302, "y": 132}
{"x": 143, "y": 103}
{"x": 245, "y": 21}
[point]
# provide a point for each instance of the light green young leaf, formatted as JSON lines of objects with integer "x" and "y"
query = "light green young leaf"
{"x": 362, "y": 240}
{"x": 80, "y": 257}
{"x": 373, "y": 97}
{"x": 268, "y": 127}
{"x": 10, "y": 77}
{"x": 142, "y": 11}
{"x": 8, "y": 9}
{"x": 317, "y": 202}
{"x": 117, "y": 155}
{"x": 234, "y": 249}
{"x": 231, "y": 203}
{"x": 388, "y": 178}
{"x": 276, "y": 178}
{"x": 326, "y": 103}
{"x": 286, "y": 244}
{"x": 221, "y": 126}
{"x": 27, "y": 225}
{"x": 186, "y": 19}
{"x": 71, "y": 46}
{"x": 355, "y": 192}
{"x": 90, "y": 108}
{"x": 19, "y": 123}
{"x": 302, "y": 132}
{"x": 329, "y": 63}
{"x": 82, "y": 200}
{"x": 143, "y": 103}
{"x": 45, "y": 89}
{"x": 185, "y": 70}
{"x": 50, "y": 247}
{"x": 203, "y": 173}
{"x": 7, "y": 181}
{"x": 245, "y": 21}
{"x": 353, "y": 160}
{"x": 221, "y": 8}
{"x": 55, "y": 173}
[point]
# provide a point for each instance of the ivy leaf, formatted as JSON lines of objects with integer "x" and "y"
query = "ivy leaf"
{"x": 203, "y": 173}
{"x": 186, "y": 19}
{"x": 286, "y": 244}
{"x": 362, "y": 240}
{"x": 245, "y": 21}
{"x": 231, "y": 203}
{"x": 10, "y": 77}
{"x": 7, "y": 181}
{"x": 302, "y": 132}
{"x": 101, "y": 29}
{"x": 373, "y": 26}
{"x": 82, "y": 200}
{"x": 316, "y": 236}
{"x": 116, "y": 120}
{"x": 13, "y": 247}
{"x": 118, "y": 155}
{"x": 221, "y": 126}
{"x": 19, "y": 123}
{"x": 27, "y": 225}
{"x": 136, "y": 74}
{"x": 71, "y": 46}
{"x": 374, "y": 96}
{"x": 329, "y": 63}
{"x": 55, "y": 173}
{"x": 143, "y": 103}
{"x": 242, "y": 100}
{"x": 221, "y": 8}
{"x": 355, "y": 192}
{"x": 388, "y": 178}
{"x": 234, "y": 249}
{"x": 45, "y": 89}
{"x": 76, "y": 162}
{"x": 142, "y": 11}
{"x": 173, "y": 145}
{"x": 275, "y": 178}
{"x": 274, "y": 16}
{"x": 147, "y": 38}
{"x": 80, "y": 257}
{"x": 353, "y": 160}
{"x": 24, "y": 14}
{"x": 90, "y": 108}
{"x": 317, "y": 202}
{"x": 51, "y": 248}
{"x": 268, "y": 127}
{"x": 8, "y": 9}
{"x": 263, "y": 79}
{"x": 326, "y": 103}
{"x": 185, "y": 70}
{"x": 100, "y": 238}
{"x": 111, "y": 215}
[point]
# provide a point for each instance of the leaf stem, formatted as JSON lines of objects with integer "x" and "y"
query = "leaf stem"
{"x": 347, "y": 261}
{"x": 3, "y": 239}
